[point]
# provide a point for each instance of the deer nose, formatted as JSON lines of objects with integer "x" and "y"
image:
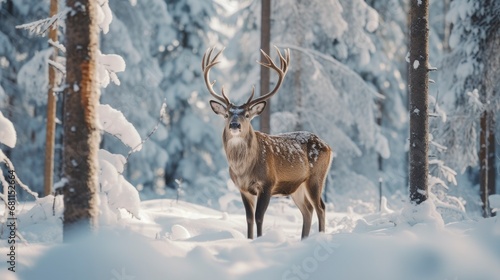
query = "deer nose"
{"x": 234, "y": 125}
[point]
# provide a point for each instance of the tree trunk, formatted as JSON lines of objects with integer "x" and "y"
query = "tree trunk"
{"x": 51, "y": 112}
{"x": 492, "y": 171}
{"x": 265, "y": 41}
{"x": 483, "y": 163}
{"x": 81, "y": 135}
{"x": 489, "y": 86}
{"x": 446, "y": 27}
{"x": 487, "y": 164}
{"x": 419, "y": 85}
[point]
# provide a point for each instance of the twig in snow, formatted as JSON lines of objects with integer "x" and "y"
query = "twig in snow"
{"x": 162, "y": 114}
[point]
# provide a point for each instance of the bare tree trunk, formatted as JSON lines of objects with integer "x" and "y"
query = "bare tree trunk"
{"x": 407, "y": 100}
{"x": 297, "y": 74}
{"x": 381, "y": 108}
{"x": 265, "y": 41}
{"x": 81, "y": 135}
{"x": 419, "y": 86}
{"x": 51, "y": 112}
{"x": 489, "y": 86}
{"x": 297, "y": 87}
{"x": 483, "y": 163}
{"x": 492, "y": 170}
{"x": 487, "y": 164}
{"x": 446, "y": 27}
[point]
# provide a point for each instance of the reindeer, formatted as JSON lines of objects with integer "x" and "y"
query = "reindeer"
{"x": 263, "y": 165}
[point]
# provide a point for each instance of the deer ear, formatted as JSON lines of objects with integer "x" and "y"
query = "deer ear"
{"x": 218, "y": 108}
{"x": 257, "y": 108}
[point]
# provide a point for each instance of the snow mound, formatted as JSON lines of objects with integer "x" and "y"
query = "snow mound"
{"x": 179, "y": 233}
{"x": 494, "y": 200}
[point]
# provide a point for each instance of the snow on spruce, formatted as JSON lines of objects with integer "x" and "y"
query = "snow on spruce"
{"x": 116, "y": 192}
{"x": 7, "y": 132}
{"x": 114, "y": 122}
{"x": 108, "y": 66}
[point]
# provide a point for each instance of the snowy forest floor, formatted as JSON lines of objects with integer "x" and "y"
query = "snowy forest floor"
{"x": 180, "y": 240}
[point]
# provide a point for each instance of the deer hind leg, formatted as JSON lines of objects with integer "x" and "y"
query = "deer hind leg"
{"x": 314, "y": 189}
{"x": 249, "y": 203}
{"x": 306, "y": 208}
{"x": 315, "y": 185}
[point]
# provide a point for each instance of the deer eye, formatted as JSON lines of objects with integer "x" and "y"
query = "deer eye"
{"x": 247, "y": 115}
{"x": 226, "y": 116}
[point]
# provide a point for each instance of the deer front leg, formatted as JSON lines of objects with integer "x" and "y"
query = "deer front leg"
{"x": 262, "y": 202}
{"x": 249, "y": 203}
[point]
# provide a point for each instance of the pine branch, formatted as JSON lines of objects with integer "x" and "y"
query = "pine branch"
{"x": 40, "y": 27}
{"x": 312, "y": 53}
{"x": 19, "y": 182}
{"x": 58, "y": 45}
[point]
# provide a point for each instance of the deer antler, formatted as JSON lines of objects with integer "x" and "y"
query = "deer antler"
{"x": 206, "y": 64}
{"x": 284, "y": 62}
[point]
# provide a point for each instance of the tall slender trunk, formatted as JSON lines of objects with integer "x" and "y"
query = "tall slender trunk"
{"x": 419, "y": 86}
{"x": 265, "y": 41}
{"x": 483, "y": 163}
{"x": 487, "y": 160}
{"x": 81, "y": 135}
{"x": 407, "y": 100}
{"x": 492, "y": 171}
{"x": 51, "y": 112}
{"x": 446, "y": 27}
{"x": 489, "y": 86}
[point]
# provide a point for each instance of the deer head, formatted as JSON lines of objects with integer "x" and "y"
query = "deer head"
{"x": 238, "y": 117}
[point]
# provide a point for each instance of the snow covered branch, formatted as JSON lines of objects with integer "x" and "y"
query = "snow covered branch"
{"x": 343, "y": 68}
{"x": 163, "y": 112}
{"x": 39, "y": 27}
{"x": 6, "y": 160}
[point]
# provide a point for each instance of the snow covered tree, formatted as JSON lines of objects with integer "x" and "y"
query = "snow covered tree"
{"x": 193, "y": 145}
{"x": 471, "y": 73}
{"x": 81, "y": 133}
{"x": 23, "y": 58}
{"x": 139, "y": 33}
{"x": 419, "y": 87}
{"x": 387, "y": 73}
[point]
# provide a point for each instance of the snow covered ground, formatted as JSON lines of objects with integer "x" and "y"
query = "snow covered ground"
{"x": 180, "y": 240}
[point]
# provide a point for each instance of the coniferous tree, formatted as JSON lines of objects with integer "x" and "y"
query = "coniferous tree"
{"x": 491, "y": 85}
{"x": 472, "y": 72}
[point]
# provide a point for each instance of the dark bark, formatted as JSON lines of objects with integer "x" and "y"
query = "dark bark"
{"x": 446, "y": 27}
{"x": 81, "y": 135}
{"x": 483, "y": 163}
{"x": 488, "y": 87}
{"x": 492, "y": 171}
{"x": 419, "y": 85}
{"x": 487, "y": 158}
{"x": 265, "y": 41}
